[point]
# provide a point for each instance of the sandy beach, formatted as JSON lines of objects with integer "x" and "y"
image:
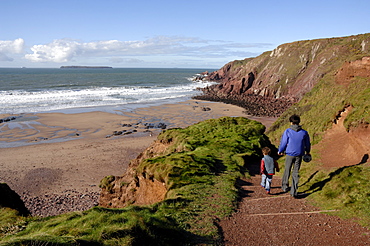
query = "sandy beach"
{"x": 55, "y": 161}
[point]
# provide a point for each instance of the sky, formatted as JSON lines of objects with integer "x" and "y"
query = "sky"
{"x": 165, "y": 34}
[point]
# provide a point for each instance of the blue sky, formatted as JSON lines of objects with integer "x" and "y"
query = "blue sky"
{"x": 185, "y": 34}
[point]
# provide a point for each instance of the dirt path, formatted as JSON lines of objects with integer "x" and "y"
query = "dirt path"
{"x": 279, "y": 219}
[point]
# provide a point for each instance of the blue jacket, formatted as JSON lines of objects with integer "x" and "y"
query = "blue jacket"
{"x": 295, "y": 141}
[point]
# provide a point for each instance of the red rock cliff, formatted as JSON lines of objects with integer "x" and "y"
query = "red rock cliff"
{"x": 285, "y": 74}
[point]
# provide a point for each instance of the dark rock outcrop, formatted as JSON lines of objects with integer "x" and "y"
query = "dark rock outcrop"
{"x": 138, "y": 127}
{"x": 253, "y": 104}
{"x": 10, "y": 199}
{"x": 10, "y": 118}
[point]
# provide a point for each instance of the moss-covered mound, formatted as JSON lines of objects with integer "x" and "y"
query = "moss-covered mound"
{"x": 199, "y": 168}
{"x": 200, "y": 153}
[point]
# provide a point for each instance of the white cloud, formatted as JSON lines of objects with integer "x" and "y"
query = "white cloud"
{"x": 9, "y": 47}
{"x": 64, "y": 50}
{"x": 57, "y": 51}
{"x": 126, "y": 60}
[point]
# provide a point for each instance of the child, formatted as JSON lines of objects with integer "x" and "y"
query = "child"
{"x": 268, "y": 167}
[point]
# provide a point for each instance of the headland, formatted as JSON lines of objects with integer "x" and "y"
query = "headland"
{"x": 85, "y": 67}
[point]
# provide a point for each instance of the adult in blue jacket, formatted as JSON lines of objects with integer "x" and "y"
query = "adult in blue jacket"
{"x": 295, "y": 142}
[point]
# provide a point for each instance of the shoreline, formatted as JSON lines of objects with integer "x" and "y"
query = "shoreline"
{"x": 57, "y": 156}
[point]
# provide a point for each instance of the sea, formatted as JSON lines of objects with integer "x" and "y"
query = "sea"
{"x": 70, "y": 90}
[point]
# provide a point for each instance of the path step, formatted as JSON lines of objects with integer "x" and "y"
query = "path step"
{"x": 292, "y": 213}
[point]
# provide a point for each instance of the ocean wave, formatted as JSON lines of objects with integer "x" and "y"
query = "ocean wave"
{"x": 21, "y": 101}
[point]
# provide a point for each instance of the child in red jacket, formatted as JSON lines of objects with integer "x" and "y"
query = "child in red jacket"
{"x": 268, "y": 167}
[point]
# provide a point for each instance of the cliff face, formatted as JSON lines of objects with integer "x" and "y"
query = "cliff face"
{"x": 292, "y": 69}
{"x": 133, "y": 187}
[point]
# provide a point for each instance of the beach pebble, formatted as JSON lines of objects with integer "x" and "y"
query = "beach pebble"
{"x": 55, "y": 204}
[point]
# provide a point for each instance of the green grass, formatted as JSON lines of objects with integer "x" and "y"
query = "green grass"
{"x": 345, "y": 189}
{"x": 11, "y": 222}
{"x": 204, "y": 149}
{"x": 98, "y": 226}
{"x": 204, "y": 163}
{"x": 200, "y": 168}
{"x": 319, "y": 107}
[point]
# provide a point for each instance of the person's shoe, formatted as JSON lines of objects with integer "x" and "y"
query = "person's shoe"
{"x": 263, "y": 186}
{"x": 285, "y": 190}
{"x": 267, "y": 192}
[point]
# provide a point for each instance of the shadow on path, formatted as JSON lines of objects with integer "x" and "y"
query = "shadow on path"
{"x": 318, "y": 186}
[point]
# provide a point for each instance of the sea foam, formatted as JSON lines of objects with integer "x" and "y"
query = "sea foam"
{"x": 16, "y": 102}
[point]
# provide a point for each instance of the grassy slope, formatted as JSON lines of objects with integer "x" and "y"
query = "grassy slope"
{"x": 201, "y": 179}
{"x": 319, "y": 107}
{"x": 345, "y": 189}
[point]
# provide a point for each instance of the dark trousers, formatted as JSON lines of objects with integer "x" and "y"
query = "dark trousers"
{"x": 295, "y": 162}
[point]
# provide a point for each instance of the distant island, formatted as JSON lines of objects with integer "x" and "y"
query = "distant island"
{"x": 85, "y": 67}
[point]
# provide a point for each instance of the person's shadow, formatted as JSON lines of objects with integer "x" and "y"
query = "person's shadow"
{"x": 318, "y": 186}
